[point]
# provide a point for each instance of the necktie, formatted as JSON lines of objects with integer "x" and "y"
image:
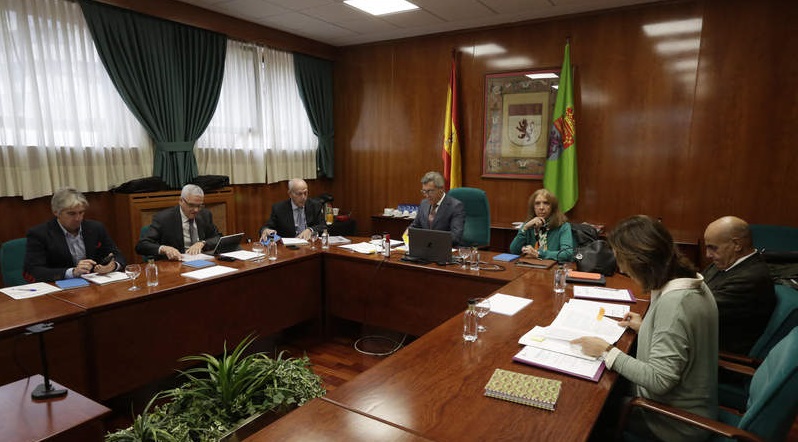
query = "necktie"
{"x": 192, "y": 231}
{"x": 432, "y": 211}
{"x": 300, "y": 220}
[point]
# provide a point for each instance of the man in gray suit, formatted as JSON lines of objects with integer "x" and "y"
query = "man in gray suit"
{"x": 186, "y": 228}
{"x": 437, "y": 211}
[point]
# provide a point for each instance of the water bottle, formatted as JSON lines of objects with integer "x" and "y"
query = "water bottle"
{"x": 386, "y": 245}
{"x": 272, "y": 248}
{"x": 325, "y": 240}
{"x": 470, "y": 321}
{"x": 152, "y": 273}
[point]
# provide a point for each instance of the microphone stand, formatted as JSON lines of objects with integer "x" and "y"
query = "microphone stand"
{"x": 45, "y": 390}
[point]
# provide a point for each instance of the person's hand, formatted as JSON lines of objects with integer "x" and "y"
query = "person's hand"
{"x": 170, "y": 252}
{"x": 265, "y": 234}
{"x": 631, "y": 320}
{"x": 103, "y": 269}
{"x": 591, "y": 345}
{"x": 534, "y": 223}
{"x": 530, "y": 252}
{"x": 305, "y": 234}
{"x": 83, "y": 267}
{"x": 195, "y": 248}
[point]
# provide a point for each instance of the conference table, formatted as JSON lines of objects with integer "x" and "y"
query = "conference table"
{"x": 433, "y": 388}
{"x": 109, "y": 341}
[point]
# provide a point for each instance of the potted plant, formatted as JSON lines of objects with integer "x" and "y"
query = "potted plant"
{"x": 222, "y": 394}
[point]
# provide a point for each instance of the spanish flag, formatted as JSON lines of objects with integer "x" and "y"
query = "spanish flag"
{"x": 452, "y": 170}
{"x": 560, "y": 175}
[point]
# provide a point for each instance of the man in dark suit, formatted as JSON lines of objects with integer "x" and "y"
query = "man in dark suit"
{"x": 68, "y": 245}
{"x": 740, "y": 280}
{"x": 298, "y": 216}
{"x": 438, "y": 211}
{"x": 187, "y": 228}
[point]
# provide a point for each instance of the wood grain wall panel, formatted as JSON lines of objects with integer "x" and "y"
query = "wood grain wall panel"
{"x": 645, "y": 115}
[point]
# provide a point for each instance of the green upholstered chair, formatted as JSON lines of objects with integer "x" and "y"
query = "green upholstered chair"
{"x": 477, "y": 223}
{"x": 12, "y": 260}
{"x": 772, "y": 403}
{"x": 783, "y": 320}
{"x": 774, "y": 238}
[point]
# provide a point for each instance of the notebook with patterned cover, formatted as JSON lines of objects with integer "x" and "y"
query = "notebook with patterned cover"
{"x": 523, "y": 389}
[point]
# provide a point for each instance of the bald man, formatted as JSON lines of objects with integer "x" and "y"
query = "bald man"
{"x": 298, "y": 216}
{"x": 740, "y": 280}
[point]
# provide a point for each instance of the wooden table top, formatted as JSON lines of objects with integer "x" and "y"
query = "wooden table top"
{"x": 25, "y": 419}
{"x": 435, "y": 386}
{"x": 16, "y": 314}
{"x": 331, "y": 422}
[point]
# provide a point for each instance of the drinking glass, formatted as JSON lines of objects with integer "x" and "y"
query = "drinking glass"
{"x": 314, "y": 236}
{"x": 133, "y": 271}
{"x": 258, "y": 247}
{"x": 464, "y": 252}
{"x": 482, "y": 308}
{"x": 559, "y": 279}
{"x": 474, "y": 259}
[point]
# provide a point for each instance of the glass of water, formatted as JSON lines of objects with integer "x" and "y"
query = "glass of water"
{"x": 559, "y": 279}
{"x": 482, "y": 308}
{"x": 133, "y": 271}
{"x": 258, "y": 248}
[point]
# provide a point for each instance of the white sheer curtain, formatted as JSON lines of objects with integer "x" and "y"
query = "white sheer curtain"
{"x": 63, "y": 122}
{"x": 260, "y": 132}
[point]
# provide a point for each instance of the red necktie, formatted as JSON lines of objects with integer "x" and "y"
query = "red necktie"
{"x": 432, "y": 211}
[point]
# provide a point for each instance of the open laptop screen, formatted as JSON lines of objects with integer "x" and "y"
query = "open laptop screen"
{"x": 430, "y": 245}
{"x": 229, "y": 243}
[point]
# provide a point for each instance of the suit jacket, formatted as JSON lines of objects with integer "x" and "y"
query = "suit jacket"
{"x": 745, "y": 298}
{"x": 450, "y": 217}
{"x": 282, "y": 218}
{"x": 47, "y": 255}
{"x": 166, "y": 229}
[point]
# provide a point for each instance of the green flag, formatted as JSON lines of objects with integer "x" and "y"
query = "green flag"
{"x": 560, "y": 174}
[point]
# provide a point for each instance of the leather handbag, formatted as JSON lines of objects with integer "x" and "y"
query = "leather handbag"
{"x": 596, "y": 257}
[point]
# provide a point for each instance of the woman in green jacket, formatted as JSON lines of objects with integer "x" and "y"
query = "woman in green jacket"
{"x": 547, "y": 234}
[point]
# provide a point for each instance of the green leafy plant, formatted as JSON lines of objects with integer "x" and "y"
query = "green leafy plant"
{"x": 222, "y": 392}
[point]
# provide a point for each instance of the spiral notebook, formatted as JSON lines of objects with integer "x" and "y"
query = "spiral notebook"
{"x": 523, "y": 389}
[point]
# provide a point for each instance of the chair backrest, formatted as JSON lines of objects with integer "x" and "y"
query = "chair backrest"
{"x": 774, "y": 238}
{"x": 477, "y": 223}
{"x": 772, "y": 403}
{"x": 12, "y": 261}
{"x": 783, "y": 319}
{"x": 143, "y": 231}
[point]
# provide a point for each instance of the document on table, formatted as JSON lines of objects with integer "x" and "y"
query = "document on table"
{"x": 579, "y": 367}
{"x": 208, "y": 272}
{"x": 338, "y": 240}
{"x": 243, "y": 255}
{"x": 507, "y": 304}
{"x": 295, "y": 242}
{"x": 603, "y": 293}
{"x": 576, "y": 320}
{"x": 361, "y": 247}
{"x": 537, "y": 338}
{"x": 106, "y": 278}
{"x": 29, "y": 290}
{"x": 197, "y": 257}
{"x": 612, "y": 310}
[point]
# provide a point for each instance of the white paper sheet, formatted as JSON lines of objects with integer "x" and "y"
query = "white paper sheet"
{"x": 208, "y": 272}
{"x": 29, "y": 290}
{"x": 197, "y": 257}
{"x": 603, "y": 293}
{"x": 106, "y": 278}
{"x": 243, "y": 255}
{"x": 295, "y": 242}
{"x": 507, "y": 304}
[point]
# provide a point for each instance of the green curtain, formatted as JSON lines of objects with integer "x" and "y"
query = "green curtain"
{"x": 315, "y": 82}
{"x": 168, "y": 74}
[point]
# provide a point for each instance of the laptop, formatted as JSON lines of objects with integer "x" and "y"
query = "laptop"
{"x": 228, "y": 243}
{"x": 430, "y": 245}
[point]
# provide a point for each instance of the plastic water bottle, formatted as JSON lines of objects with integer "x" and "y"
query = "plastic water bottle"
{"x": 386, "y": 245}
{"x": 271, "y": 248}
{"x": 152, "y": 273}
{"x": 470, "y": 321}
{"x": 325, "y": 240}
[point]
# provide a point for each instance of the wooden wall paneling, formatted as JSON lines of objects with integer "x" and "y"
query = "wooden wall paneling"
{"x": 744, "y": 129}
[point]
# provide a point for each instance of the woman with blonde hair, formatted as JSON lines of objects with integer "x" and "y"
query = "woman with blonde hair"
{"x": 547, "y": 233}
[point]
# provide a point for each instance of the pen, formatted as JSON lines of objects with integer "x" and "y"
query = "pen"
{"x": 24, "y": 290}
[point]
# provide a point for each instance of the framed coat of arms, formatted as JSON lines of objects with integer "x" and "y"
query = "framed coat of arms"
{"x": 518, "y": 108}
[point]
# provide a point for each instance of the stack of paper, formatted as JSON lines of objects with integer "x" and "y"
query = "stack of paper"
{"x": 550, "y": 347}
{"x": 603, "y": 293}
{"x": 295, "y": 242}
{"x": 106, "y": 278}
{"x": 243, "y": 255}
{"x": 208, "y": 272}
{"x": 361, "y": 247}
{"x": 339, "y": 240}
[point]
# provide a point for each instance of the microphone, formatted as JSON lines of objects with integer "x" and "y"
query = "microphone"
{"x": 45, "y": 390}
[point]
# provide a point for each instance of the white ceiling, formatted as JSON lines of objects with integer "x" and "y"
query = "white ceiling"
{"x": 337, "y": 24}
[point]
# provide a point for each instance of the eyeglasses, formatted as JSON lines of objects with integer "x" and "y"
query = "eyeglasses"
{"x": 193, "y": 206}
{"x": 428, "y": 192}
